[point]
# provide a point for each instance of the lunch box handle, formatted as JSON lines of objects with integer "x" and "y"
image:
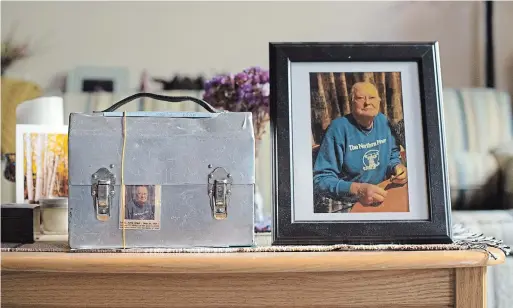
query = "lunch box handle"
{"x": 172, "y": 99}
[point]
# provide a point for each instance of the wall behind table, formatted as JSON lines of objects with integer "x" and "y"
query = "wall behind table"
{"x": 197, "y": 37}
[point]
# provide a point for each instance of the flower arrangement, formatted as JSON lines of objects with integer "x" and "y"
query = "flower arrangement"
{"x": 247, "y": 91}
{"x": 12, "y": 52}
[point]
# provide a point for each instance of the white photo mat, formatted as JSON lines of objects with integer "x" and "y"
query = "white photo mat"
{"x": 301, "y": 147}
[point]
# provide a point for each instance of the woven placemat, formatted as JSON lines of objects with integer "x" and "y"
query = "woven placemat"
{"x": 462, "y": 240}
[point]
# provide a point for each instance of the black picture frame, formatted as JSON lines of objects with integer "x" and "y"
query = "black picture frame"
{"x": 437, "y": 228}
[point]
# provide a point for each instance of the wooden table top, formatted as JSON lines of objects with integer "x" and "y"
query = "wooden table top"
{"x": 261, "y": 262}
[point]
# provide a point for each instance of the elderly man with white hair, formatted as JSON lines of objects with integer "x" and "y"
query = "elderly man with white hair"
{"x": 358, "y": 152}
{"x": 139, "y": 207}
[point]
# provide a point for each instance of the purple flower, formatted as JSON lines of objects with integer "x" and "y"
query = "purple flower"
{"x": 246, "y": 91}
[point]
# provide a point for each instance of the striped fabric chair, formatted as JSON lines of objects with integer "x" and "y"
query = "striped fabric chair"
{"x": 479, "y": 138}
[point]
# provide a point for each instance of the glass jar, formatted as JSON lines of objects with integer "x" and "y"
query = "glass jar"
{"x": 54, "y": 215}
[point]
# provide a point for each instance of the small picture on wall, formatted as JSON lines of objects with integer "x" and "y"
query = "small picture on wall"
{"x": 358, "y": 150}
{"x": 41, "y": 162}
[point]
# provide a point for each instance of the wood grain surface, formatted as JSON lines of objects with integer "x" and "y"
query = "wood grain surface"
{"x": 471, "y": 287}
{"x": 415, "y": 288}
{"x": 320, "y": 279}
{"x": 243, "y": 262}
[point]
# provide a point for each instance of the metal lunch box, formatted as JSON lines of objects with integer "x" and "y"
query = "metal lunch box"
{"x": 161, "y": 179}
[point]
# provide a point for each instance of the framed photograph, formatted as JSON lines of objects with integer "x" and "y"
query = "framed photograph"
{"x": 358, "y": 144}
{"x": 141, "y": 207}
{"x": 41, "y": 162}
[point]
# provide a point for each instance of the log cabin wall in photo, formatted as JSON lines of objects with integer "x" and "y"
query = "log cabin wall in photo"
{"x": 330, "y": 95}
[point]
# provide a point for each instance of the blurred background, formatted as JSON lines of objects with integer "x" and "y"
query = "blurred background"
{"x": 65, "y": 56}
{"x": 203, "y": 38}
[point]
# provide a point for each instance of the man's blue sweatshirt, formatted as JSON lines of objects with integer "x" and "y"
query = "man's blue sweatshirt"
{"x": 349, "y": 154}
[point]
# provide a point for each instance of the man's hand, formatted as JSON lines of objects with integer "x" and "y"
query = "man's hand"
{"x": 400, "y": 175}
{"x": 368, "y": 194}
